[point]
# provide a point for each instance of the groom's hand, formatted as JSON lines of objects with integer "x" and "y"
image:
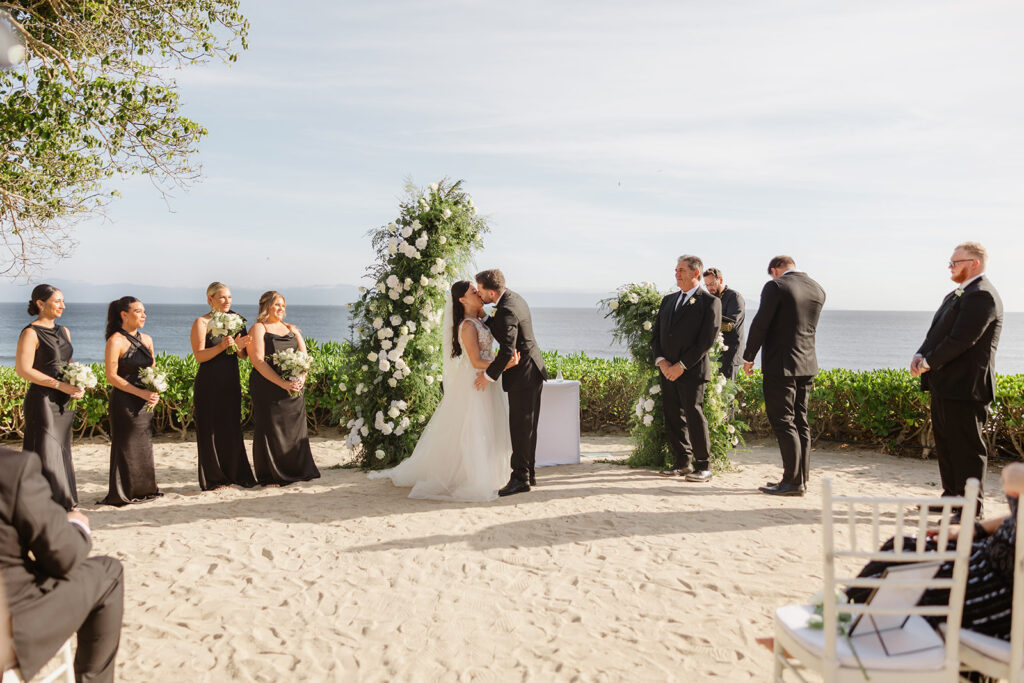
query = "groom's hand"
{"x": 748, "y": 368}
{"x": 481, "y": 381}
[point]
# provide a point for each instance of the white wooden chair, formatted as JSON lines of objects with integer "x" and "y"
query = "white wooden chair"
{"x": 992, "y": 656}
{"x": 824, "y": 651}
{"x": 60, "y": 668}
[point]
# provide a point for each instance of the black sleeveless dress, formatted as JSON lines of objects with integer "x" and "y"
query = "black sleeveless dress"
{"x": 48, "y": 420}
{"x": 218, "y": 410}
{"x": 280, "y": 442}
{"x": 132, "y": 473}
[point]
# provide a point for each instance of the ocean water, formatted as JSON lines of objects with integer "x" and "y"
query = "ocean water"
{"x": 857, "y": 340}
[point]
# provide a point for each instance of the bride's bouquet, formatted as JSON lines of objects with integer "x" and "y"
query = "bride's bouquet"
{"x": 292, "y": 364}
{"x": 151, "y": 378}
{"x": 225, "y": 325}
{"x": 79, "y": 375}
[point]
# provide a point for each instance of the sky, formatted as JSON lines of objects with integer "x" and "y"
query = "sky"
{"x": 602, "y": 140}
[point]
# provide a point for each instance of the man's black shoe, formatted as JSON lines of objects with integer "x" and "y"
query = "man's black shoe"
{"x": 701, "y": 476}
{"x": 514, "y": 486}
{"x": 676, "y": 472}
{"x": 783, "y": 489}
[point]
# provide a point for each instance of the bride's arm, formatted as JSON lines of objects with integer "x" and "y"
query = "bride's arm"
{"x": 470, "y": 341}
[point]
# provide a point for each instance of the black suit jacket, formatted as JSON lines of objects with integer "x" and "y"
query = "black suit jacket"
{"x": 961, "y": 344}
{"x": 733, "y": 311}
{"x": 785, "y": 325}
{"x": 512, "y": 328}
{"x": 685, "y": 336}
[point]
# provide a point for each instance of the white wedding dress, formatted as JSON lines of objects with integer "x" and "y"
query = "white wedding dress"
{"x": 463, "y": 453}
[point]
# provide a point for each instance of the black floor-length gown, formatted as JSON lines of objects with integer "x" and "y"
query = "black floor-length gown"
{"x": 48, "y": 419}
{"x": 132, "y": 473}
{"x": 218, "y": 409}
{"x": 280, "y": 442}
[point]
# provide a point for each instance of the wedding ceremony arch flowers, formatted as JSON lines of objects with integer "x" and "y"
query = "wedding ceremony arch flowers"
{"x": 396, "y": 366}
{"x": 633, "y": 310}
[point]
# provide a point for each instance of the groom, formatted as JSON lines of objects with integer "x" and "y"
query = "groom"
{"x": 513, "y": 330}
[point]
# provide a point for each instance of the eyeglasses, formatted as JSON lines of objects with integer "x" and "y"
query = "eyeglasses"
{"x": 959, "y": 260}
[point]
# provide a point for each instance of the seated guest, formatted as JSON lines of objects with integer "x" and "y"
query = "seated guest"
{"x": 989, "y": 595}
{"x": 58, "y": 590}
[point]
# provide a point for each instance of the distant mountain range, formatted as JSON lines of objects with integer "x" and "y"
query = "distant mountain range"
{"x": 321, "y": 295}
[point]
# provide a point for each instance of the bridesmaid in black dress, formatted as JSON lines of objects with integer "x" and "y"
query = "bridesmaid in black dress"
{"x": 218, "y": 400}
{"x": 132, "y": 473}
{"x": 280, "y": 443}
{"x": 44, "y": 348}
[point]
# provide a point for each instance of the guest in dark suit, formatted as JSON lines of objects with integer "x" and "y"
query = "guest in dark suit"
{"x": 684, "y": 331}
{"x": 733, "y": 319}
{"x": 784, "y": 326}
{"x": 59, "y": 590}
{"x": 512, "y": 328}
{"x": 956, "y": 364}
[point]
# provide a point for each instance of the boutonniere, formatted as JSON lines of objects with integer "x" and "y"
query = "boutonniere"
{"x": 693, "y": 300}
{"x": 958, "y": 292}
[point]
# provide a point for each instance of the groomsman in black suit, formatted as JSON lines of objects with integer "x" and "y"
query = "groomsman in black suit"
{"x": 785, "y": 324}
{"x": 512, "y": 328}
{"x": 956, "y": 364}
{"x": 58, "y": 590}
{"x": 684, "y": 331}
{"x": 733, "y": 318}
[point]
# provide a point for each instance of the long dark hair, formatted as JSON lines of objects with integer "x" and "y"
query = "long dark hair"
{"x": 40, "y": 293}
{"x": 458, "y": 290}
{"x": 114, "y": 311}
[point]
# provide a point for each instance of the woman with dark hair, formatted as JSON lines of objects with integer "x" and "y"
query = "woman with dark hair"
{"x": 463, "y": 452}
{"x": 44, "y": 348}
{"x": 280, "y": 442}
{"x": 128, "y": 350}
{"x": 218, "y": 398}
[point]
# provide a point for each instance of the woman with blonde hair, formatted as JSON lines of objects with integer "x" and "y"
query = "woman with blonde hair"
{"x": 44, "y": 348}
{"x": 280, "y": 444}
{"x": 218, "y": 397}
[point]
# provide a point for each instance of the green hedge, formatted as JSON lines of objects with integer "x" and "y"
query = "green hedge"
{"x": 885, "y": 408}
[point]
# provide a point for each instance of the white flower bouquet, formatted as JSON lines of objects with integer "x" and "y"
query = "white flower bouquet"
{"x": 292, "y": 364}
{"x": 225, "y": 325}
{"x": 151, "y": 378}
{"x": 79, "y": 375}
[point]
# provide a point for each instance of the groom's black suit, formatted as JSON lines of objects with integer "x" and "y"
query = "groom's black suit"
{"x": 513, "y": 330}
{"x": 785, "y": 325}
{"x": 960, "y": 349}
{"x": 684, "y": 333}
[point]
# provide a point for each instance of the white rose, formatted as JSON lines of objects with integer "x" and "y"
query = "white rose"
{"x": 372, "y": 357}
{"x": 342, "y": 386}
{"x": 735, "y": 441}
{"x": 364, "y": 430}
{"x": 388, "y": 332}
{"x": 412, "y": 326}
{"x": 381, "y": 287}
{"x": 730, "y": 429}
{"x": 392, "y": 281}
{"x": 394, "y": 294}
{"x": 364, "y": 367}
{"x": 392, "y": 227}
{"x": 384, "y": 365}
{"x": 395, "y": 319}
{"x": 392, "y": 246}
{"x": 447, "y": 213}
{"x": 416, "y": 224}
{"x": 404, "y": 330}
{"x": 442, "y": 239}
{"x": 393, "y": 354}
{"x": 648, "y": 419}
{"x": 407, "y": 284}
{"x": 362, "y": 290}
{"x": 387, "y": 428}
{"x": 406, "y": 231}
{"x": 394, "y": 412}
{"x": 392, "y": 382}
{"x": 379, "y": 454}
{"x": 656, "y": 389}
{"x": 433, "y": 187}
{"x": 639, "y": 410}
{"x": 385, "y": 344}
{"x": 421, "y": 243}
{"x": 647, "y": 325}
{"x": 613, "y": 305}
{"x": 633, "y": 298}
{"x": 649, "y": 405}
{"x": 408, "y": 299}
{"x": 429, "y": 380}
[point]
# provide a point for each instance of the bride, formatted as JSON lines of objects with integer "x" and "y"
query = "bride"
{"x": 463, "y": 453}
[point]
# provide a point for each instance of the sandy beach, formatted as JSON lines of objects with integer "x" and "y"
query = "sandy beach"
{"x": 601, "y": 573}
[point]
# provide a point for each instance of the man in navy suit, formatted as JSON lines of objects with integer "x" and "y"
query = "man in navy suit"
{"x": 956, "y": 364}
{"x": 684, "y": 331}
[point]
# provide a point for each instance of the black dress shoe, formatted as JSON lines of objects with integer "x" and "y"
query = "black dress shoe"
{"x": 701, "y": 476}
{"x": 676, "y": 471}
{"x": 784, "y": 489}
{"x": 514, "y": 486}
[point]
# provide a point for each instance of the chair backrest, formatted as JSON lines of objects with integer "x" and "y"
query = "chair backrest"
{"x": 895, "y": 518}
{"x": 1017, "y": 618}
